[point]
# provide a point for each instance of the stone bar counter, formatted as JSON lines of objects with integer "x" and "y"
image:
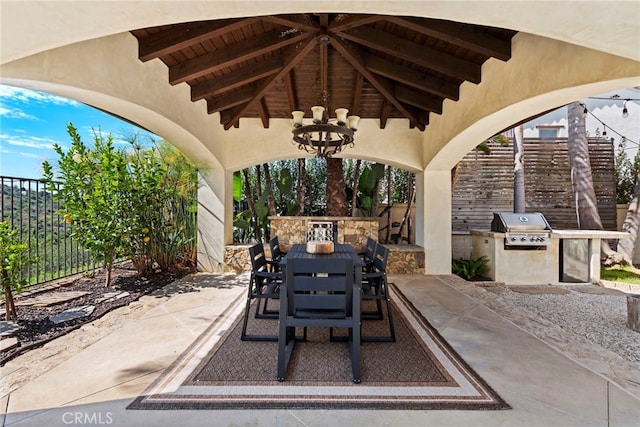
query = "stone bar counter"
{"x": 350, "y": 230}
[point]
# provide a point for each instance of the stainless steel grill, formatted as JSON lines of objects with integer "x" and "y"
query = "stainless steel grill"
{"x": 523, "y": 230}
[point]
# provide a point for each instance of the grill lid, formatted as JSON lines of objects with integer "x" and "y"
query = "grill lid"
{"x": 505, "y": 222}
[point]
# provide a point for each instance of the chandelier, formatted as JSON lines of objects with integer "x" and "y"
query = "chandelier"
{"x": 324, "y": 137}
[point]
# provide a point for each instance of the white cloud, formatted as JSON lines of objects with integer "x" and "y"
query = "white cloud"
{"x": 28, "y": 141}
{"x": 10, "y": 93}
{"x": 15, "y": 113}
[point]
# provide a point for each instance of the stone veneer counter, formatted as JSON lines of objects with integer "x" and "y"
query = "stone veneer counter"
{"x": 351, "y": 230}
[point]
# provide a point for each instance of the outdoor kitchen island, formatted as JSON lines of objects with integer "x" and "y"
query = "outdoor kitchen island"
{"x": 523, "y": 250}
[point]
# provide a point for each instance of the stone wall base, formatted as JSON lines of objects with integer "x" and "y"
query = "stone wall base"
{"x": 403, "y": 259}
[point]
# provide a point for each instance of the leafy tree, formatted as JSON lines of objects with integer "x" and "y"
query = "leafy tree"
{"x": 140, "y": 204}
{"x": 625, "y": 173}
{"x": 95, "y": 195}
{"x": 14, "y": 257}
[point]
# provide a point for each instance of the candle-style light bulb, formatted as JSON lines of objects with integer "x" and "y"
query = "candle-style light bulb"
{"x": 341, "y": 116}
{"x": 297, "y": 118}
{"x": 353, "y": 122}
{"x": 318, "y": 112}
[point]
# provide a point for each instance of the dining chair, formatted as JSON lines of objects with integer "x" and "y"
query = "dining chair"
{"x": 276, "y": 254}
{"x": 263, "y": 286}
{"x": 376, "y": 288}
{"x": 369, "y": 253}
{"x": 318, "y": 293}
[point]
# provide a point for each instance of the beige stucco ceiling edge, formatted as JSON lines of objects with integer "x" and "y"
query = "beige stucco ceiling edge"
{"x": 251, "y": 144}
{"x": 538, "y": 77}
{"x": 32, "y": 27}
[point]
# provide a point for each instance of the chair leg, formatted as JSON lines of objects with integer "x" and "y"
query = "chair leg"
{"x": 286, "y": 342}
{"x": 243, "y": 335}
{"x": 355, "y": 353}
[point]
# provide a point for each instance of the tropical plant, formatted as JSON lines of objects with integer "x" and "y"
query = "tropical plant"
{"x": 140, "y": 204}
{"x": 14, "y": 257}
{"x": 470, "y": 269}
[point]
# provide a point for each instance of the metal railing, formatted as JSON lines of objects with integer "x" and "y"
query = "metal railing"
{"x": 32, "y": 212}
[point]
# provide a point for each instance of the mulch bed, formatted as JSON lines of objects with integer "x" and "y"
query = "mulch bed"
{"x": 37, "y": 329}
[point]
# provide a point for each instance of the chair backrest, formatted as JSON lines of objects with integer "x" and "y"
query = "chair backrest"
{"x": 380, "y": 258}
{"x": 274, "y": 245}
{"x": 370, "y": 248}
{"x": 319, "y": 288}
{"x": 258, "y": 258}
{"x": 320, "y": 231}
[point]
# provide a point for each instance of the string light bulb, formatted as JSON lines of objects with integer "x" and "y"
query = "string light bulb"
{"x": 604, "y": 132}
{"x": 625, "y": 112}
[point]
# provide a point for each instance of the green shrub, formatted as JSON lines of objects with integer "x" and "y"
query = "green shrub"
{"x": 470, "y": 269}
{"x": 14, "y": 256}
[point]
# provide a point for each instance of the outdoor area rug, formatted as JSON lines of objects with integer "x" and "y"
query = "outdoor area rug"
{"x": 418, "y": 371}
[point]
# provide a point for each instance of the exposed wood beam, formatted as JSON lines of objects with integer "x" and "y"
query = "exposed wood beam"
{"x": 238, "y": 78}
{"x": 357, "y": 93}
{"x": 292, "y": 57}
{"x": 356, "y": 58}
{"x": 182, "y": 36}
{"x": 300, "y": 22}
{"x": 231, "y": 100}
{"x": 384, "y": 113}
{"x": 324, "y": 20}
{"x": 413, "y": 78}
{"x": 464, "y": 35}
{"x": 347, "y": 22}
{"x": 264, "y": 113}
{"x": 231, "y": 55}
{"x": 291, "y": 91}
{"x": 324, "y": 75}
{"x": 415, "y": 53}
{"x": 418, "y": 99}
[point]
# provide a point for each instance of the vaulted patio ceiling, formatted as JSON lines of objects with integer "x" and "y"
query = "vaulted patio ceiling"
{"x": 377, "y": 66}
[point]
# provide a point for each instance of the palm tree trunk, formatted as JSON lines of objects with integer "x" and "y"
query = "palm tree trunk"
{"x": 631, "y": 225}
{"x": 270, "y": 199}
{"x": 302, "y": 184}
{"x": 354, "y": 196}
{"x": 519, "y": 204}
{"x": 389, "y": 217}
{"x": 582, "y": 180}
{"x": 407, "y": 213}
{"x": 252, "y": 208}
{"x": 336, "y": 188}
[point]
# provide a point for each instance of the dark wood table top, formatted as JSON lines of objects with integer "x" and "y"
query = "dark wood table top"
{"x": 341, "y": 251}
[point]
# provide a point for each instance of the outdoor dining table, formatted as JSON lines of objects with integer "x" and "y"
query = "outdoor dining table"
{"x": 341, "y": 251}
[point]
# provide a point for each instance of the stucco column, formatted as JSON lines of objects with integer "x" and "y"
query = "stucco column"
{"x": 433, "y": 220}
{"x": 214, "y": 222}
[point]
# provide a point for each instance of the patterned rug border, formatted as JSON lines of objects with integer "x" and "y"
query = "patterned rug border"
{"x": 170, "y": 391}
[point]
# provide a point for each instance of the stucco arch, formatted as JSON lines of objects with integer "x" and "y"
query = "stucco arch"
{"x": 542, "y": 74}
{"x": 565, "y": 51}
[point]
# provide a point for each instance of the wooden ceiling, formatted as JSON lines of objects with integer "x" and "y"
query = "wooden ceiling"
{"x": 379, "y": 67}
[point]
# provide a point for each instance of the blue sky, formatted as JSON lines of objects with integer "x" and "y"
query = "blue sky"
{"x": 32, "y": 122}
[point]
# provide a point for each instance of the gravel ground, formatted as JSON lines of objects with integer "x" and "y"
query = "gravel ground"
{"x": 587, "y": 323}
{"x": 598, "y": 319}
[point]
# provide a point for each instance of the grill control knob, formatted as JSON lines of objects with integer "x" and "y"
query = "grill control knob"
{"x": 523, "y": 238}
{"x": 513, "y": 239}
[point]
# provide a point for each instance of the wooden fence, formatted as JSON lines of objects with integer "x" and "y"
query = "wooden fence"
{"x": 485, "y": 184}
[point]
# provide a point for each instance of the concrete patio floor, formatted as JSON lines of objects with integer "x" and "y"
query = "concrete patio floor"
{"x": 95, "y": 385}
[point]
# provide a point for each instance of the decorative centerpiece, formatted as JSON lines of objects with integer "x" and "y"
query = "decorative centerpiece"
{"x": 320, "y": 238}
